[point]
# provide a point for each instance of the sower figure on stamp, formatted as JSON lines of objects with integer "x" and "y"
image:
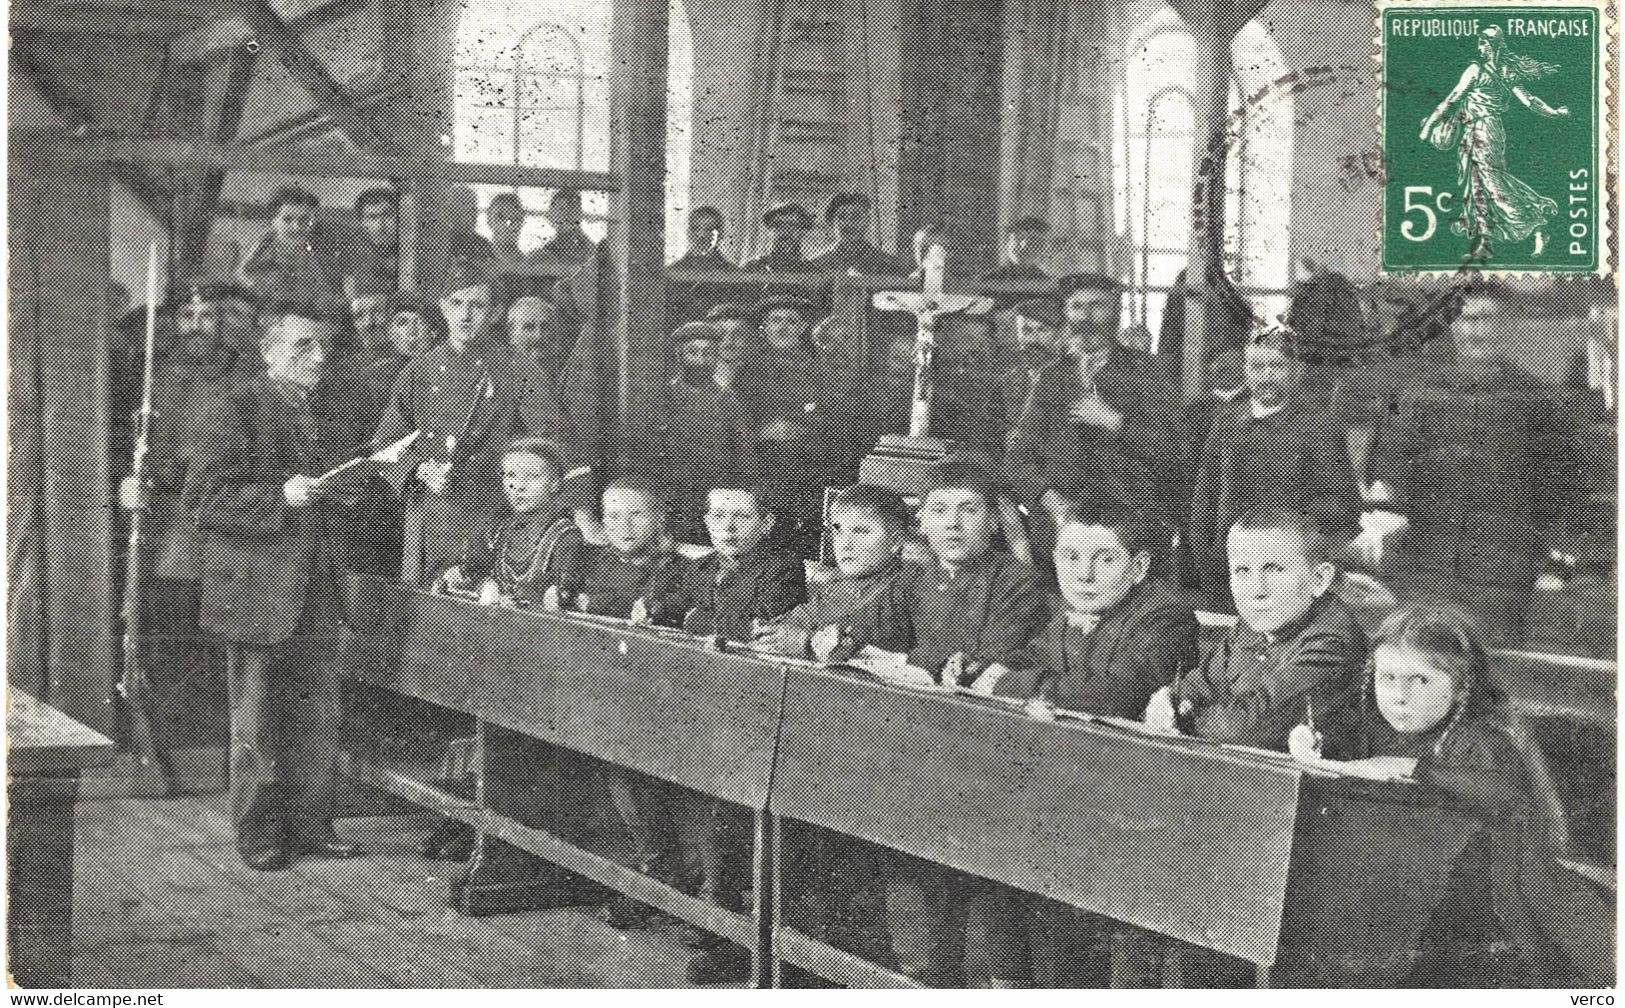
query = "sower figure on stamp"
{"x": 269, "y": 587}
{"x": 1495, "y": 205}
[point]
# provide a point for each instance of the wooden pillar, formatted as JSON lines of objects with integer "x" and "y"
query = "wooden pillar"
{"x": 59, "y": 326}
{"x": 639, "y": 47}
{"x": 1213, "y": 26}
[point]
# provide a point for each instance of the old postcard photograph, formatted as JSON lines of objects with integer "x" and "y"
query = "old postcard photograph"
{"x": 870, "y": 494}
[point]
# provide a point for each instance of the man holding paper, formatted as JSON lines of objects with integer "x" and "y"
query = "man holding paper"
{"x": 267, "y": 497}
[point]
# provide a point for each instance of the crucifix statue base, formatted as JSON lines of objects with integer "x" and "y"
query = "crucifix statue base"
{"x": 904, "y": 463}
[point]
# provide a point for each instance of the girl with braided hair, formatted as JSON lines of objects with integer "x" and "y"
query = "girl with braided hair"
{"x": 1495, "y": 205}
{"x": 1431, "y": 712}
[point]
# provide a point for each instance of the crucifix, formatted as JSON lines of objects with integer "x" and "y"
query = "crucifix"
{"x": 901, "y": 463}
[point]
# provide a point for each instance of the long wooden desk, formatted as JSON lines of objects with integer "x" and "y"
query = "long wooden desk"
{"x": 46, "y": 750}
{"x": 1237, "y": 851}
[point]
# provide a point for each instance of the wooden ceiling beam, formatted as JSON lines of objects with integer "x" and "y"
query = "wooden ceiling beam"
{"x": 154, "y": 198}
{"x": 288, "y": 46}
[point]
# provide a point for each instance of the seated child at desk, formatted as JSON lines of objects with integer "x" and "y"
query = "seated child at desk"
{"x": 1430, "y": 711}
{"x": 729, "y": 593}
{"x": 868, "y": 527}
{"x": 1124, "y": 632}
{"x": 609, "y": 579}
{"x": 518, "y": 555}
{"x": 741, "y": 583}
{"x": 1293, "y": 656}
{"x": 973, "y": 607}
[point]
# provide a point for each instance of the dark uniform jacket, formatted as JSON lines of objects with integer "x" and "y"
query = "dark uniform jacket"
{"x": 602, "y": 580}
{"x": 698, "y": 436}
{"x": 868, "y": 604}
{"x": 780, "y": 260}
{"x": 1253, "y": 689}
{"x": 989, "y": 610}
{"x": 1296, "y": 458}
{"x": 266, "y": 568}
{"x": 1142, "y": 645}
{"x": 185, "y": 393}
{"x": 767, "y": 583}
{"x": 1047, "y": 448}
{"x": 452, "y": 395}
{"x": 862, "y": 257}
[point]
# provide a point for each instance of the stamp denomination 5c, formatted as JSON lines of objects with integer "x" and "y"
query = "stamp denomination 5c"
{"x": 1495, "y": 119}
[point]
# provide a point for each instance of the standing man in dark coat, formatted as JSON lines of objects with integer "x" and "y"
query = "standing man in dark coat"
{"x": 1270, "y": 445}
{"x": 214, "y": 332}
{"x": 449, "y": 480}
{"x": 1481, "y": 459}
{"x": 1102, "y": 423}
{"x": 269, "y": 587}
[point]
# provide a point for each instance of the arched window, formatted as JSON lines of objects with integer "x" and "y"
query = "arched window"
{"x": 532, "y": 87}
{"x": 1155, "y": 140}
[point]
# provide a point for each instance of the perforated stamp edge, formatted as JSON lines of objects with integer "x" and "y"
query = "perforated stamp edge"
{"x": 1606, "y": 122}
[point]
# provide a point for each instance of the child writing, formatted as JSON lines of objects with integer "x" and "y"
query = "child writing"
{"x": 1124, "y": 631}
{"x": 1430, "y": 712}
{"x": 1294, "y": 654}
{"x": 868, "y": 527}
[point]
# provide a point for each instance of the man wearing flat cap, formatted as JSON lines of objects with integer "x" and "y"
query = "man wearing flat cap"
{"x": 1101, "y": 419}
{"x": 448, "y": 480}
{"x": 787, "y": 225}
{"x": 849, "y": 214}
{"x": 795, "y": 411}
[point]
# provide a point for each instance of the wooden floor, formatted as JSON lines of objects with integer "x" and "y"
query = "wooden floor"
{"x": 161, "y": 899}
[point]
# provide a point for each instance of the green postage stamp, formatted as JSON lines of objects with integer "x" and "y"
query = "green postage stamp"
{"x": 1496, "y": 136}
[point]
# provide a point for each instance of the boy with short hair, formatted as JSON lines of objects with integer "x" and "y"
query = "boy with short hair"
{"x": 742, "y": 581}
{"x": 1293, "y": 657}
{"x": 727, "y": 594}
{"x": 868, "y": 527}
{"x": 973, "y": 611}
{"x": 974, "y": 605}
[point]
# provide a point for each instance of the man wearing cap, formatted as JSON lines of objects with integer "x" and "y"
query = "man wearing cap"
{"x": 291, "y": 264}
{"x": 1021, "y": 258}
{"x": 794, "y": 409}
{"x": 448, "y": 480}
{"x": 269, "y": 587}
{"x": 697, "y": 432}
{"x": 1270, "y": 446}
{"x": 215, "y": 329}
{"x": 849, "y": 214}
{"x": 787, "y": 225}
{"x": 1102, "y": 421}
